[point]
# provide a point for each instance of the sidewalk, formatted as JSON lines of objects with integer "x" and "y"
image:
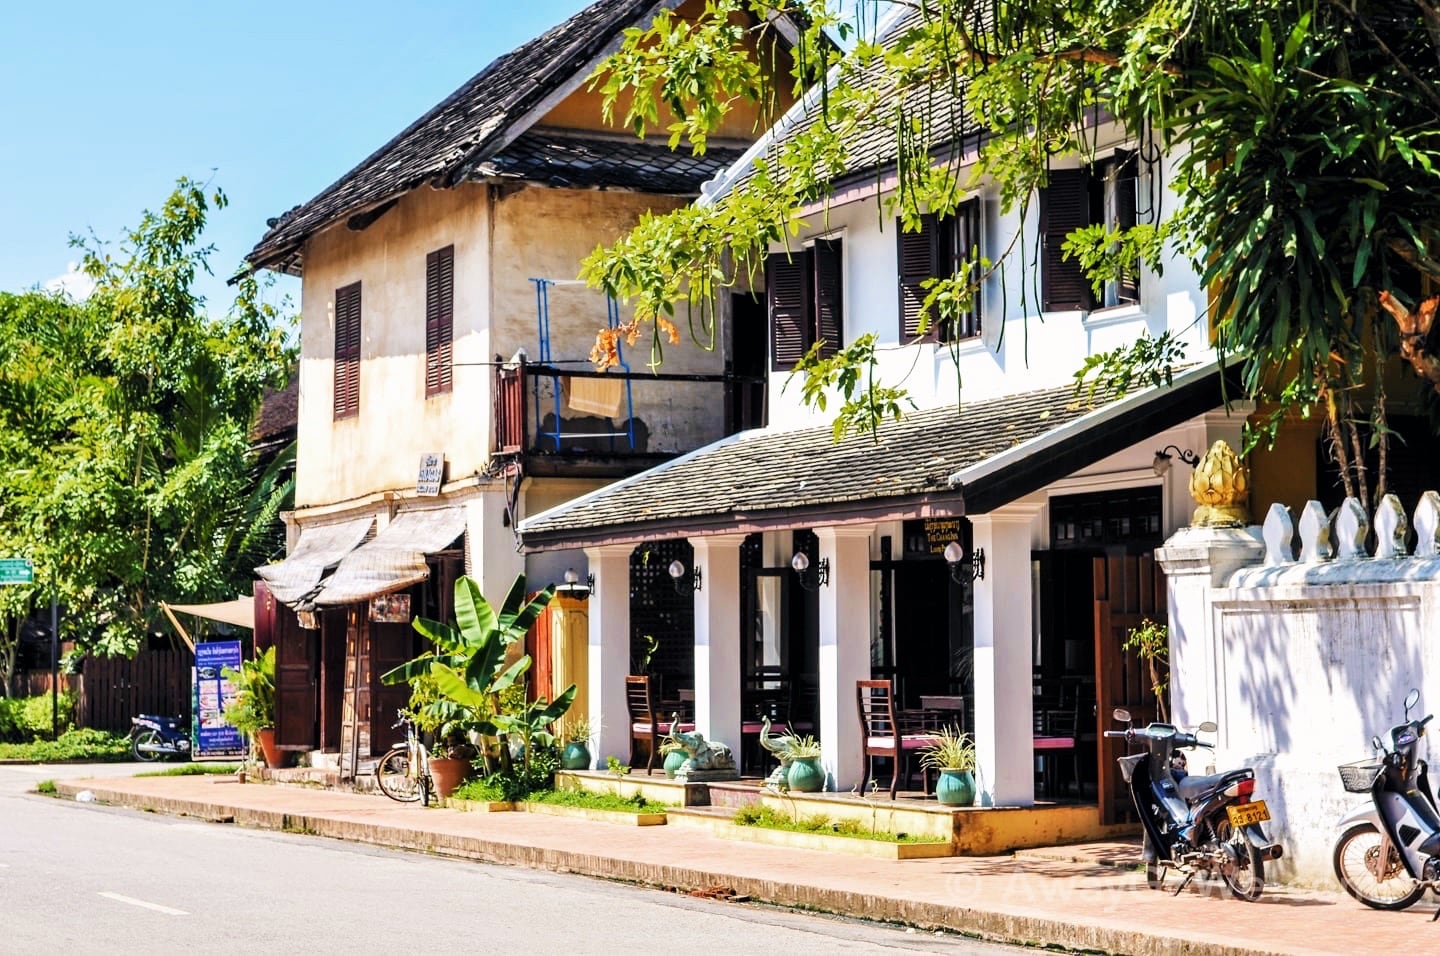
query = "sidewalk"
{"x": 1041, "y": 897}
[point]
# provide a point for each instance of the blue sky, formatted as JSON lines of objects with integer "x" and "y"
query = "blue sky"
{"x": 105, "y": 105}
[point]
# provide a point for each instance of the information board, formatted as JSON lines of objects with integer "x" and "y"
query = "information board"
{"x": 211, "y": 737}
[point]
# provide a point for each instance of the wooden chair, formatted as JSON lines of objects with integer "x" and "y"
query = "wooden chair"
{"x": 648, "y": 721}
{"x": 886, "y": 733}
{"x": 1057, "y": 732}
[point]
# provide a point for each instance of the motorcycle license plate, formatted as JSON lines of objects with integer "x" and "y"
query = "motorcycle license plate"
{"x": 1247, "y": 813}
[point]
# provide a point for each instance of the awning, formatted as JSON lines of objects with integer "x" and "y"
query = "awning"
{"x": 934, "y": 462}
{"x": 239, "y": 612}
{"x": 320, "y": 548}
{"x": 395, "y": 558}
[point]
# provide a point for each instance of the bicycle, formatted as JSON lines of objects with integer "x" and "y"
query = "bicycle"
{"x": 403, "y": 774}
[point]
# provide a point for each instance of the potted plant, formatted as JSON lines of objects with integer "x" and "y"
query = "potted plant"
{"x": 675, "y": 755}
{"x": 953, "y": 755}
{"x": 575, "y": 754}
{"x": 805, "y": 774}
{"x": 252, "y": 710}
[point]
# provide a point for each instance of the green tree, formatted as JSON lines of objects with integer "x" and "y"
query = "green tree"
{"x": 1306, "y": 146}
{"x": 124, "y": 424}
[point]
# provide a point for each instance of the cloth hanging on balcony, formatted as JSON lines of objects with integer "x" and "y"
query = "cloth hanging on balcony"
{"x": 395, "y": 558}
{"x": 319, "y": 549}
{"x": 596, "y": 396}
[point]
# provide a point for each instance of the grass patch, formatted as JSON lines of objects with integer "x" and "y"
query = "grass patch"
{"x": 192, "y": 770}
{"x": 480, "y": 791}
{"x": 46, "y": 787}
{"x": 74, "y": 745}
{"x": 598, "y": 801}
{"x": 759, "y": 815}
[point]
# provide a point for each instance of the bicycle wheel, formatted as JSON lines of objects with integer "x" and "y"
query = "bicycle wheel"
{"x": 392, "y": 776}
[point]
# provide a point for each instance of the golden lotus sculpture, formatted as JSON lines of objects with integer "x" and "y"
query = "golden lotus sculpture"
{"x": 1221, "y": 489}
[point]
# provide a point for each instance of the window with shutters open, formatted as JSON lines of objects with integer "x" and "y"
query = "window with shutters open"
{"x": 347, "y": 351}
{"x": 439, "y": 320}
{"x": 805, "y": 299}
{"x": 937, "y": 251}
{"x": 1103, "y": 194}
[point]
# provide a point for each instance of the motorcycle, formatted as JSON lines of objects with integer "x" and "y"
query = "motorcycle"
{"x": 1194, "y": 824}
{"x": 1388, "y": 852}
{"x": 153, "y": 737}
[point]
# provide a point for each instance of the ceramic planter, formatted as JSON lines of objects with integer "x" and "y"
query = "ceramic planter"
{"x": 448, "y": 773}
{"x": 955, "y": 788}
{"x": 575, "y": 756}
{"x": 806, "y": 775}
{"x": 673, "y": 760}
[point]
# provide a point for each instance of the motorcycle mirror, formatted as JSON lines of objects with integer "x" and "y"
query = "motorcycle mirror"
{"x": 1411, "y": 699}
{"x": 1122, "y": 715}
{"x": 1375, "y": 742}
{"x": 1209, "y": 727}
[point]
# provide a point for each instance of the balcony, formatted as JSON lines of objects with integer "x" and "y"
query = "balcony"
{"x": 578, "y": 422}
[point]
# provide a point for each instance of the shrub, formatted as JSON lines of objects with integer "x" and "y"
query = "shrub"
{"x": 81, "y": 745}
{"x": 23, "y": 719}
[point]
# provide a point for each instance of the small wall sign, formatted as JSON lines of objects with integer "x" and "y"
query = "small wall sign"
{"x": 432, "y": 472}
{"x": 390, "y": 608}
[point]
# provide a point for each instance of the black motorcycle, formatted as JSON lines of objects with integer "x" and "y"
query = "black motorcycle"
{"x": 1388, "y": 852}
{"x": 1194, "y": 824}
{"x": 153, "y": 737}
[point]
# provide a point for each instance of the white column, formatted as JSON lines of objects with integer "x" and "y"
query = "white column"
{"x": 717, "y": 638}
{"x": 1004, "y": 725}
{"x": 844, "y": 649}
{"x": 609, "y": 650}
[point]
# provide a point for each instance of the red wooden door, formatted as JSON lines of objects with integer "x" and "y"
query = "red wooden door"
{"x": 296, "y": 680}
{"x": 1128, "y": 590}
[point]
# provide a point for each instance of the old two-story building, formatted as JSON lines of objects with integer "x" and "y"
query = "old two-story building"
{"x": 989, "y": 553}
{"x": 445, "y": 390}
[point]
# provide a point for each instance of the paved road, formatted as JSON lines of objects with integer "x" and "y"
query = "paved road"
{"x": 88, "y": 879}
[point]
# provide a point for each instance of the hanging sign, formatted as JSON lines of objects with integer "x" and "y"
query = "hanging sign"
{"x": 432, "y": 472}
{"x": 16, "y": 571}
{"x": 210, "y": 735}
{"x": 929, "y": 536}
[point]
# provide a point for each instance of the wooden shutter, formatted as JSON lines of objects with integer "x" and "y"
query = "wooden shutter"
{"x": 347, "y": 351}
{"x": 966, "y": 231}
{"x": 1064, "y": 207}
{"x": 1127, "y": 182}
{"x": 439, "y": 320}
{"x": 829, "y": 290}
{"x": 787, "y": 284}
{"x": 918, "y": 254}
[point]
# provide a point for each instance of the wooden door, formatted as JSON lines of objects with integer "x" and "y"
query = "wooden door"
{"x": 1128, "y": 589}
{"x": 332, "y": 678}
{"x": 296, "y": 682}
{"x": 355, "y": 711}
{"x": 390, "y": 646}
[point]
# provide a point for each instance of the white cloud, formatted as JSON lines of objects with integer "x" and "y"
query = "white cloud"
{"x": 74, "y": 284}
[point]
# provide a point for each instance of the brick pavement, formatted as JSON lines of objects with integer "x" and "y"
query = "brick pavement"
{"x": 1029, "y": 898}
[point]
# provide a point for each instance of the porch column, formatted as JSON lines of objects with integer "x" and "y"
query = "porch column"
{"x": 609, "y": 650}
{"x": 717, "y": 638}
{"x": 844, "y": 649}
{"x": 1004, "y": 724}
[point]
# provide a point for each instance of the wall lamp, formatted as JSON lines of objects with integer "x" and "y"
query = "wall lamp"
{"x": 694, "y": 579}
{"x": 573, "y": 587}
{"x": 801, "y": 563}
{"x": 1162, "y": 462}
{"x": 963, "y": 569}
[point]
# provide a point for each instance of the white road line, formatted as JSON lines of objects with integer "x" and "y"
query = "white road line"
{"x": 149, "y": 906}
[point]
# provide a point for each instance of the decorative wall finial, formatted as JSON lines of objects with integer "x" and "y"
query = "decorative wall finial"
{"x": 1220, "y": 486}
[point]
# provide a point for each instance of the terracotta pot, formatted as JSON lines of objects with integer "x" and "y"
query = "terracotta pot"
{"x": 274, "y": 756}
{"x": 448, "y": 773}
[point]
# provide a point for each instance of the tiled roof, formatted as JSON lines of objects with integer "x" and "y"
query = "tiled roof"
{"x": 564, "y": 159}
{"x": 759, "y": 476}
{"x": 467, "y": 126}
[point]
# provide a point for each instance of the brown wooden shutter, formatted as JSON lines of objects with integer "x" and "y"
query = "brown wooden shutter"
{"x": 347, "y": 351}
{"x": 1127, "y": 182}
{"x": 439, "y": 320}
{"x": 829, "y": 291}
{"x": 919, "y": 255}
{"x": 787, "y": 284}
{"x": 296, "y": 667}
{"x": 967, "y": 249}
{"x": 1064, "y": 207}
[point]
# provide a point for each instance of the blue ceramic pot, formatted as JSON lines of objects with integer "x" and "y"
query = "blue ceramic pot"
{"x": 956, "y": 788}
{"x": 806, "y": 775}
{"x": 673, "y": 760}
{"x": 575, "y": 756}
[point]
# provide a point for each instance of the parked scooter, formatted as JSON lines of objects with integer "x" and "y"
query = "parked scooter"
{"x": 1388, "y": 852}
{"x": 154, "y": 737}
{"x": 1195, "y": 824}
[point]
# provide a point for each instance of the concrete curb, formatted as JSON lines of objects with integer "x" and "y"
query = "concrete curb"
{"x": 985, "y": 924}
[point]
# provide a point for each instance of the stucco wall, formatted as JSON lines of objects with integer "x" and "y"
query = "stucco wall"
{"x": 380, "y": 449}
{"x": 1019, "y": 349}
{"x": 545, "y": 233}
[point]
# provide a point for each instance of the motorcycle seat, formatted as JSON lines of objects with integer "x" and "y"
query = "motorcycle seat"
{"x": 1194, "y": 787}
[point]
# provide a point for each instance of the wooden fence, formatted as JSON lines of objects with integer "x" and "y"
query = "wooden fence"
{"x": 115, "y": 689}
